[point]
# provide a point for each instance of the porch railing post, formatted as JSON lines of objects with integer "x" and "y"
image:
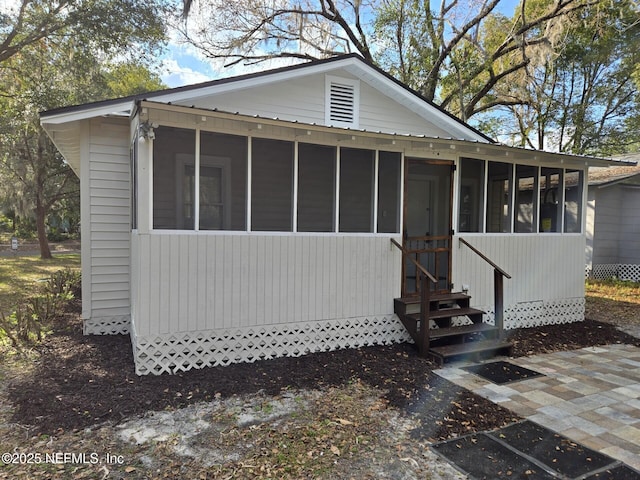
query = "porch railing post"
{"x": 498, "y": 288}
{"x": 425, "y": 294}
{"x": 498, "y": 298}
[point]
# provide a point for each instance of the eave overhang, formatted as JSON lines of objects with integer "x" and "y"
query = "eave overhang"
{"x": 394, "y": 141}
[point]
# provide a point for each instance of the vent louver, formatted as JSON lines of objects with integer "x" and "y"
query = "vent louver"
{"x": 342, "y": 103}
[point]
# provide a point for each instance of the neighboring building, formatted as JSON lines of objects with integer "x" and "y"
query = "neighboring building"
{"x": 251, "y": 217}
{"x": 613, "y": 222}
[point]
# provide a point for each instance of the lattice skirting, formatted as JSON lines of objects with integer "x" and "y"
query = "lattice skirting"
{"x": 535, "y": 314}
{"x": 188, "y": 350}
{"x": 614, "y": 270}
{"x": 117, "y": 325}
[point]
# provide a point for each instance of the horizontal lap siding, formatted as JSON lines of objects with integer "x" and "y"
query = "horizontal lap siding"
{"x": 629, "y": 253}
{"x": 110, "y": 218}
{"x": 203, "y": 282}
{"x": 381, "y": 113}
{"x": 607, "y": 225}
{"x": 542, "y": 267}
{"x": 302, "y": 100}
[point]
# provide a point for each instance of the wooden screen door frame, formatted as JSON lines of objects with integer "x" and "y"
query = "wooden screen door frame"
{"x": 429, "y": 209}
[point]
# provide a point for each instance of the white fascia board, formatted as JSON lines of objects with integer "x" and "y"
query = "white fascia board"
{"x": 72, "y": 114}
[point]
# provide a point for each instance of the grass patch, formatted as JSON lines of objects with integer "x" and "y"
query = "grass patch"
{"x": 20, "y": 276}
{"x": 618, "y": 290}
{"x": 613, "y": 301}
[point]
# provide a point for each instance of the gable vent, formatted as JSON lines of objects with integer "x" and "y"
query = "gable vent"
{"x": 342, "y": 98}
{"x": 342, "y": 102}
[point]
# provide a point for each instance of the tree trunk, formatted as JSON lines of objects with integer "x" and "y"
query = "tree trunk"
{"x": 45, "y": 251}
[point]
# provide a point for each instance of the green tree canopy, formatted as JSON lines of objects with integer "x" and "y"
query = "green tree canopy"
{"x": 581, "y": 97}
{"x": 58, "y": 53}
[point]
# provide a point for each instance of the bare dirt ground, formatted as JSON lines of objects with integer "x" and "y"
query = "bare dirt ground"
{"x": 75, "y": 409}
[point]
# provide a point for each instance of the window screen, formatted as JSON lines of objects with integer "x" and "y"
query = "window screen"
{"x": 316, "y": 188}
{"x": 525, "y": 203}
{"x": 574, "y": 183}
{"x": 173, "y": 159}
{"x": 223, "y": 181}
{"x": 389, "y": 164}
{"x": 356, "y": 190}
{"x": 471, "y": 195}
{"x": 550, "y": 200}
{"x": 499, "y": 188}
{"x": 271, "y": 185}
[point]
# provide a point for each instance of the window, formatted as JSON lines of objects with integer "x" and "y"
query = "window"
{"x": 356, "y": 190}
{"x": 389, "y": 165}
{"x": 499, "y": 186}
{"x": 271, "y": 185}
{"x": 173, "y": 181}
{"x": 525, "y": 202}
{"x": 574, "y": 184}
{"x": 550, "y": 201}
{"x": 471, "y": 195}
{"x": 316, "y": 188}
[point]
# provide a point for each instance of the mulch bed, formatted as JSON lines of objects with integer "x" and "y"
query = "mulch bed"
{"x": 80, "y": 381}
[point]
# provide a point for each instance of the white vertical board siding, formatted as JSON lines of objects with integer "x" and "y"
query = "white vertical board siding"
{"x": 197, "y": 282}
{"x": 109, "y": 218}
{"x": 543, "y": 267}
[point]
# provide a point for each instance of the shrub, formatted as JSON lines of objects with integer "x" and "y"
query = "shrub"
{"x": 65, "y": 284}
{"x": 30, "y": 320}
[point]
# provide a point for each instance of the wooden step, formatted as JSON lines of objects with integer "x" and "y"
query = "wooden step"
{"x": 449, "y": 313}
{"x": 435, "y": 296}
{"x": 438, "y": 333}
{"x": 408, "y": 305}
{"x": 474, "y": 349}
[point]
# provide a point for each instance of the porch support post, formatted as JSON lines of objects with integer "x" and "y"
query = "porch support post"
{"x": 498, "y": 301}
{"x": 145, "y": 185}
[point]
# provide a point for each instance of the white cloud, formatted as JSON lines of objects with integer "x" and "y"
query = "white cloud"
{"x": 175, "y": 75}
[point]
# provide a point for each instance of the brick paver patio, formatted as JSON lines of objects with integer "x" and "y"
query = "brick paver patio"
{"x": 591, "y": 396}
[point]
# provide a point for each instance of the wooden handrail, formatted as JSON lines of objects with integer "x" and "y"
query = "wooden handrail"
{"x": 485, "y": 258}
{"x": 498, "y": 288}
{"x": 416, "y": 263}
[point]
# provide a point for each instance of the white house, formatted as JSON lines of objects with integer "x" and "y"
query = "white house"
{"x": 613, "y": 222}
{"x": 252, "y": 217}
